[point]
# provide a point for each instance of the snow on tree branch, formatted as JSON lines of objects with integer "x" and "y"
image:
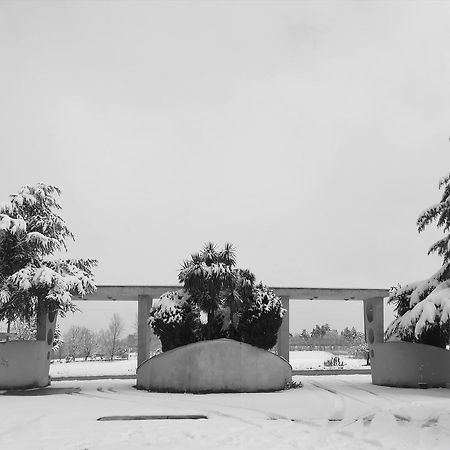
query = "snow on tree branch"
{"x": 434, "y": 309}
{"x": 30, "y": 232}
{"x": 424, "y": 307}
{"x": 10, "y": 224}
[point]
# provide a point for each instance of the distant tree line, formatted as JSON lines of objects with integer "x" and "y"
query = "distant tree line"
{"x": 322, "y": 337}
{"x": 81, "y": 342}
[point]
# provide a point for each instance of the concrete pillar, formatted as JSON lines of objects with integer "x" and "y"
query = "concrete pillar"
{"x": 144, "y": 306}
{"x": 46, "y": 324}
{"x": 374, "y": 322}
{"x": 283, "y": 332}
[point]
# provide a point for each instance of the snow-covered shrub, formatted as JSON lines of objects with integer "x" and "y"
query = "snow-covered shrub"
{"x": 175, "y": 320}
{"x": 423, "y": 308}
{"x": 260, "y": 321}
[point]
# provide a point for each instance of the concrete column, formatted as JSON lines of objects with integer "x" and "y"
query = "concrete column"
{"x": 374, "y": 322}
{"x": 283, "y": 332}
{"x": 144, "y": 306}
{"x": 46, "y": 323}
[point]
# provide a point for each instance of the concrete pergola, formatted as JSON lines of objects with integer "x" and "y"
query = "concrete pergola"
{"x": 144, "y": 295}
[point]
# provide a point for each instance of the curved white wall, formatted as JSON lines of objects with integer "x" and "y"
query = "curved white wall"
{"x": 221, "y": 365}
{"x": 24, "y": 364}
{"x": 407, "y": 364}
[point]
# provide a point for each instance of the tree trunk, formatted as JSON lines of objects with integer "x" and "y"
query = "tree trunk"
{"x": 209, "y": 325}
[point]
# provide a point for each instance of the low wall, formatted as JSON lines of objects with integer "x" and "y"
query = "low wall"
{"x": 24, "y": 364}
{"x": 404, "y": 364}
{"x": 221, "y": 365}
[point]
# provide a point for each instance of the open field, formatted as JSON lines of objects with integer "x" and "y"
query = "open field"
{"x": 299, "y": 361}
{"x": 328, "y": 412}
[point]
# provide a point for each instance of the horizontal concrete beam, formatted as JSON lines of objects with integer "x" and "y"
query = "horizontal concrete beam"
{"x": 132, "y": 293}
{"x": 295, "y": 293}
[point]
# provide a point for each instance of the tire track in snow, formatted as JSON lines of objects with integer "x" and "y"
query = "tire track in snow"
{"x": 267, "y": 415}
{"x": 338, "y": 413}
{"x": 430, "y": 422}
{"x": 390, "y": 402}
{"x": 381, "y": 395}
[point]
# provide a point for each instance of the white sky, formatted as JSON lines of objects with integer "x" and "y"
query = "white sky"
{"x": 308, "y": 134}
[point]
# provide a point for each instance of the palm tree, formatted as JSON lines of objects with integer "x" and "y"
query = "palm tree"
{"x": 212, "y": 281}
{"x": 236, "y": 298}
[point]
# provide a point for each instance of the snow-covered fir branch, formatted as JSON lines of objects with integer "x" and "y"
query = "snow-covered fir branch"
{"x": 30, "y": 232}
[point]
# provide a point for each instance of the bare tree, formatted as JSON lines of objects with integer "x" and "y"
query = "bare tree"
{"x": 72, "y": 341}
{"x": 111, "y": 337}
{"x": 88, "y": 342}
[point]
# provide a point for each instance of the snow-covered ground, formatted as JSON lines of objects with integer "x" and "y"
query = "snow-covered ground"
{"x": 315, "y": 360}
{"x": 328, "y": 412}
{"x": 93, "y": 368}
{"x": 298, "y": 360}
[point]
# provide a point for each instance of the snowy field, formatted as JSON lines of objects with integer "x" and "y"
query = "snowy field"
{"x": 315, "y": 360}
{"x": 298, "y": 360}
{"x": 328, "y": 412}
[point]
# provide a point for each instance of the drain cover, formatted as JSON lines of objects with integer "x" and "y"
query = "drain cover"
{"x": 153, "y": 417}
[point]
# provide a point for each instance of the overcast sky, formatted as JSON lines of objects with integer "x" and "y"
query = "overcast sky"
{"x": 309, "y": 134}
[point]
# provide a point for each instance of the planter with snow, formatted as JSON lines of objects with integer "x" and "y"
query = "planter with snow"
{"x": 26, "y": 364}
{"x": 220, "y": 365}
{"x": 406, "y": 364}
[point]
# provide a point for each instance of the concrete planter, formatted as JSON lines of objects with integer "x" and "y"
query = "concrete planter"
{"x": 26, "y": 364}
{"x": 404, "y": 364}
{"x": 221, "y": 365}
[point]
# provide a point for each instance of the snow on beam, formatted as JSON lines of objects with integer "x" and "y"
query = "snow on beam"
{"x": 132, "y": 293}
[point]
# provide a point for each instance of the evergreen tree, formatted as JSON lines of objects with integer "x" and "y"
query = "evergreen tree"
{"x": 316, "y": 332}
{"x": 439, "y": 213}
{"x": 305, "y": 335}
{"x": 349, "y": 334}
{"x": 423, "y": 308}
{"x": 31, "y": 231}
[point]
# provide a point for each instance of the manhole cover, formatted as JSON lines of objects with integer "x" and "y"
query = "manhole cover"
{"x": 155, "y": 417}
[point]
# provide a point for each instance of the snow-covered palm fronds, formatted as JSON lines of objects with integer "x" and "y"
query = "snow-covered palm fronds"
{"x": 213, "y": 281}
